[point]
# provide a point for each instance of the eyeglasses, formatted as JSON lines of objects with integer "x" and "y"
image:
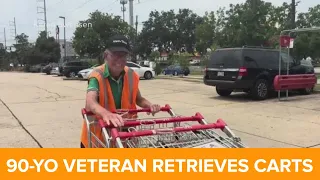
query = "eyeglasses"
{"x": 118, "y": 55}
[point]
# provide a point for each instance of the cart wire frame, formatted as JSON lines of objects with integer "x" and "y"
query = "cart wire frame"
{"x": 168, "y": 132}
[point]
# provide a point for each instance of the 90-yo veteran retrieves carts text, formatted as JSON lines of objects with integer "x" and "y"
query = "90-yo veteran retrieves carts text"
{"x": 170, "y": 132}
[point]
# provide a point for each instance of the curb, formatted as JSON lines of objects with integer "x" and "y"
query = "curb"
{"x": 182, "y": 79}
{"x": 74, "y": 79}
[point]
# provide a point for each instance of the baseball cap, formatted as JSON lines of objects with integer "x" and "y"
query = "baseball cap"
{"x": 119, "y": 43}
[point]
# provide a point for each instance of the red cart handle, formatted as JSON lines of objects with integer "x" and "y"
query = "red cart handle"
{"x": 198, "y": 117}
{"x": 220, "y": 124}
{"x": 166, "y": 108}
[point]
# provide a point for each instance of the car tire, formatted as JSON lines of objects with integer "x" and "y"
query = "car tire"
{"x": 175, "y": 73}
{"x": 148, "y": 75}
{"x": 71, "y": 74}
{"x": 223, "y": 92}
{"x": 164, "y": 72}
{"x": 260, "y": 90}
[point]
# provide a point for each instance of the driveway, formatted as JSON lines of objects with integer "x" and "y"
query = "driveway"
{"x": 40, "y": 110}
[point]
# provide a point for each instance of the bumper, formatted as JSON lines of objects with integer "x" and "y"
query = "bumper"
{"x": 83, "y": 75}
{"x": 242, "y": 84}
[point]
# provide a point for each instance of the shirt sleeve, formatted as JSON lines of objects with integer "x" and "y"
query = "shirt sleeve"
{"x": 93, "y": 85}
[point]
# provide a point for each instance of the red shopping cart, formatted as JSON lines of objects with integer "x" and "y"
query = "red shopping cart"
{"x": 169, "y": 132}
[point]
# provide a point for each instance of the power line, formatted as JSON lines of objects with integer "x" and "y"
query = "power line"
{"x": 143, "y": 1}
{"x": 50, "y": 6}
{"x": 73, "y": 10}
{"x": 110, "y": 5}
{"x": 86, "y": 2}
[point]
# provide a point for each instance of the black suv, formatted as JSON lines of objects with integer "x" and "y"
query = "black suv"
{"x": 250, "y": 70}
{"x": 71, "y": 68}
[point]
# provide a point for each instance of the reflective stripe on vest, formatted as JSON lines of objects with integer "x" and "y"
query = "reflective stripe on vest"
{"x": 130, "y": 79}
{"x": 104, "y": 88}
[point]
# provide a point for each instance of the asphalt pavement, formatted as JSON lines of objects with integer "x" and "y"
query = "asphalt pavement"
{"x": 38, "y": 110}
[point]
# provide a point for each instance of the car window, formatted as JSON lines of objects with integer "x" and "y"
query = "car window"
{"x": 84, "y": 63}
{"x": 272, "y": 59}
{"x": 230, "y": 58}
{"x": 132, "y": 65}
{"x": 252, "y": 58}
{"x": 72, "y": 64}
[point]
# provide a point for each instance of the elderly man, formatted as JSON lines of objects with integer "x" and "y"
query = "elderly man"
{"x": 114, "y": 86}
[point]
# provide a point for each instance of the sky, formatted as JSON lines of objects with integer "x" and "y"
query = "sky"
{"x": 29, "y": 15}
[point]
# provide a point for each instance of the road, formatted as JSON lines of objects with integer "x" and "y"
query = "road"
{"x": 44, "y": 111}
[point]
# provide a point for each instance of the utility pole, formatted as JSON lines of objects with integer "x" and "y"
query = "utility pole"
{"x": 57, "y": 34}
{"x": 65, "y": 42}
{"x": 135, "y": 40}
{"x": 5, "y": 38}
{"x": 131, "y": 12}
{"x": 45, "y": 16}
{"x": 136, "y": 25}
{"x": 14, "y": 30}
{"x": 43, "y": 9}
{"x": 293, "y": 14}
{"x": 123, "y": 8}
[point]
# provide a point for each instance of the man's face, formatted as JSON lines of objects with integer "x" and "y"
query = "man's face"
{"x": 117, "y": 61}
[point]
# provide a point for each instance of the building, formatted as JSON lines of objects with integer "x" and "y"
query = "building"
{"x": 70, "y": 51}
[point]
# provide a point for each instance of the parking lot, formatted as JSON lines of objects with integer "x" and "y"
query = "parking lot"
{"x": 41, "y": 110}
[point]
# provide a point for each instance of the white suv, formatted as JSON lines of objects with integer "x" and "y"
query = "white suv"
{"x": 143, "y": 72}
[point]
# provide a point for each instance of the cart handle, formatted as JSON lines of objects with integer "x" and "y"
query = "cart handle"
{"x": 220, "y": 124}
{"x": 166, "y": 108}
{"x": 197, "y": 117}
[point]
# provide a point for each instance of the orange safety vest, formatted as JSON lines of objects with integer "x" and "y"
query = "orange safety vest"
{"x": 128, "y": 100}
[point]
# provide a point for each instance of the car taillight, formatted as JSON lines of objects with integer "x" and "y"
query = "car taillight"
{"x": 243, "y": 71}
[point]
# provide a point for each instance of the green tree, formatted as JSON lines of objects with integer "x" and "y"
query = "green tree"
{"x": 168, "y": 31}
{"x": 92, "y": 41}
{"x": 154, "y": 55}
{"x": 187, "y": 22}
{"x": 21, "y": 48}
{"x": 205, "y": 33}
{"x": 46, "y": 48}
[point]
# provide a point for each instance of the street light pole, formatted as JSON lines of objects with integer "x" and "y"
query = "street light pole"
{"x": 64, "y": 28}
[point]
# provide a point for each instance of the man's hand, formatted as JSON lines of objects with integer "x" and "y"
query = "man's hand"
{"x": 113, "y": 118}
{"x": 155, "y": 108}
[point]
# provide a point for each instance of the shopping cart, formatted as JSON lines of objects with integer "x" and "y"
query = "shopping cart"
{"x": 170, "y": 132}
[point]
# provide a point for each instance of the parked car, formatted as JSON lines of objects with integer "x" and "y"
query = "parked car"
{"x": 71, "y": 68}
{"x": 143, "y": 72}
{"x": 48, "y": 68}
{"x": 55, "y": 71}
{"x": 176, "y": 70}
{"x": 85, "y": 73}
{"x": 249, "y": 69}
{"x": 37, "y": 68}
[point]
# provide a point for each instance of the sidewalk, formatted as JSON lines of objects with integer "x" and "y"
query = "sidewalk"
{"x": 197, "y": 78}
